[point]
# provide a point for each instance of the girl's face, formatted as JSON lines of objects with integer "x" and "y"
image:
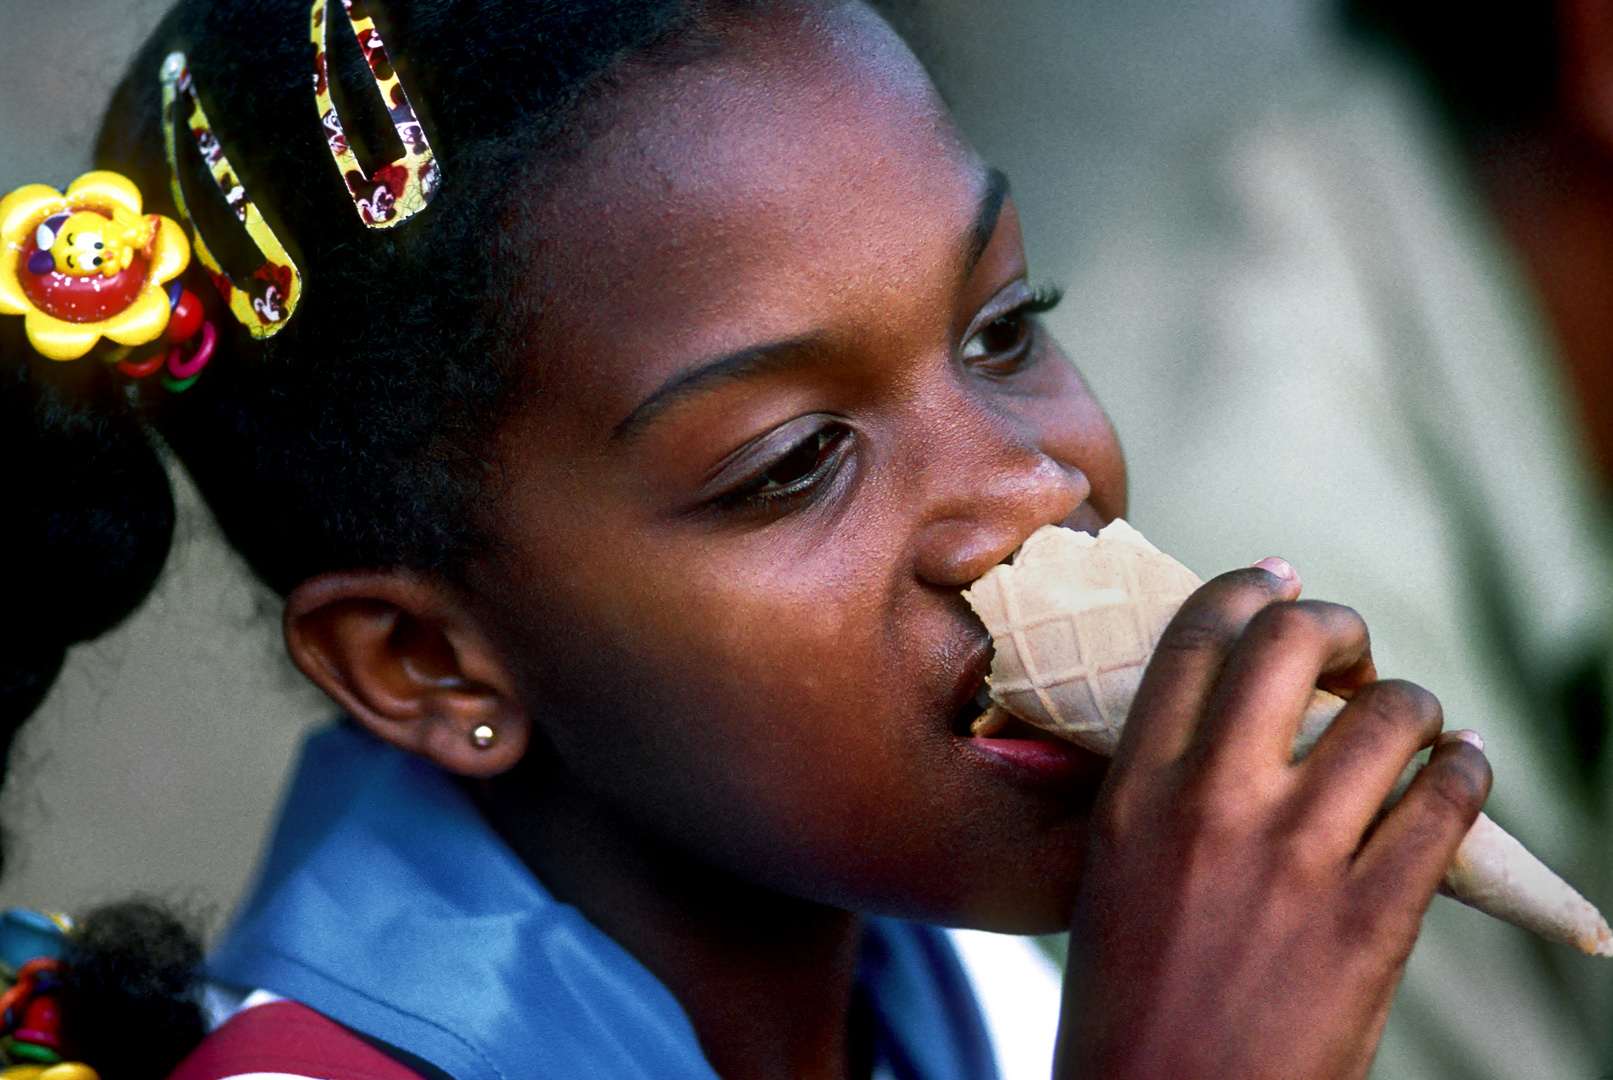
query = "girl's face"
{"x": 790, "y": 402}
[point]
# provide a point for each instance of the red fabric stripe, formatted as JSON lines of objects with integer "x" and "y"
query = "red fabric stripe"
{"x": 286, "y": 1037}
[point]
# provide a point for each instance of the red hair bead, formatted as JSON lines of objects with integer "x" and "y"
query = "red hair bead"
{"x": 186, "y": 318}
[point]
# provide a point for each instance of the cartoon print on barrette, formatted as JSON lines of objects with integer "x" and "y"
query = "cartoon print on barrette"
{"x": 264, "y": 301}
{"x": 400, "y": 189}
{"x": 86, "y": 264}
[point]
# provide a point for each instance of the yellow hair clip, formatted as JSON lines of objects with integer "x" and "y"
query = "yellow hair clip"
{"x": 264, "y": 302}
{"x": 87, "y": 263}
{"x": 399, "y": 189}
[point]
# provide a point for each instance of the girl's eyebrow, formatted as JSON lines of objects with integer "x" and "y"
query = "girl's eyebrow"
{"x": 758, "y": 359}
{"x": 703, "y": 374}
{"x": 985, "y": 223}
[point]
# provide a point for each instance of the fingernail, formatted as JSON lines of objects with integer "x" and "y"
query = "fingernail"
{"x": 1271, "y": 564}
{"x": 1472, "y": 738}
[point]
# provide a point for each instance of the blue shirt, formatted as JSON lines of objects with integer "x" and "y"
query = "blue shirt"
{"x": 388, "y": 904}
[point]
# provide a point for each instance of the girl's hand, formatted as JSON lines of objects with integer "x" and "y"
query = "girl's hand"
{"x": 1240, "y": 915}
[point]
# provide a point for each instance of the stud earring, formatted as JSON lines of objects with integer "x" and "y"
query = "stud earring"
{"x": 483, "y": 736}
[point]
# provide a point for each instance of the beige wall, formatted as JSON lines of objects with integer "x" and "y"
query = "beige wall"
{"x": 156, "y": 762}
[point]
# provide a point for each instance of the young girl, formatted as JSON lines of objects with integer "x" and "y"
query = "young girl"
{"x": 621, "y": 395}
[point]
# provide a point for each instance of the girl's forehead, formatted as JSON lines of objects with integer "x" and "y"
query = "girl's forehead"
{"x": 749, "y": 195}
{"x": 793, "y": 102}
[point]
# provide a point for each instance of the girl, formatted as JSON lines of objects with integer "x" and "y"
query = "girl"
{"x": 621, "y": 394}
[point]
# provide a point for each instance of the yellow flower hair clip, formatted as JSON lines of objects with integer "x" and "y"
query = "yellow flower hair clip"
{"x": 87, "y": 264}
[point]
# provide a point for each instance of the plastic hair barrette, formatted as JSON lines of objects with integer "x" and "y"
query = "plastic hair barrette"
{"x": 266, "y": 300}
{"x": 400, "y": 189}
{"x": 89, "y": 265}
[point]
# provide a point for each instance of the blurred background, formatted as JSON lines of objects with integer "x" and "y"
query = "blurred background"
{"x": 1341, "y": 309}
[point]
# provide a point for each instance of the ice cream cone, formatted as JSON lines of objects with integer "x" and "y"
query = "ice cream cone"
{"x": 1075, "y": 619}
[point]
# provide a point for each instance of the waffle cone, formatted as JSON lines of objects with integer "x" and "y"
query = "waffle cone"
{"x": 1075, "y": 619}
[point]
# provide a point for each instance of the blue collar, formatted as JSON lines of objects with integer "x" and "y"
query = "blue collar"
{"x": 387, "y": 904}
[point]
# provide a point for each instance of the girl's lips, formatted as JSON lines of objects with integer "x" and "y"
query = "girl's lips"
{"x": 1026, "y": 752}
{"x": 1041, "y": 759}
{"x": 969, "y": 697}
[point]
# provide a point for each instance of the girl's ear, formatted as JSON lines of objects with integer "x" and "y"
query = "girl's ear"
{"x": 407, "y": 659}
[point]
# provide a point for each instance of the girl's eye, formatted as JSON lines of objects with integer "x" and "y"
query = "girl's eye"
{"x": 795, "y": 472}
{"x": 1003, "y": 344}
{"x": 1004, "y": 335}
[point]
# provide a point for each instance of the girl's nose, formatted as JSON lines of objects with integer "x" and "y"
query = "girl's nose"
{"x": 986, "y": 513}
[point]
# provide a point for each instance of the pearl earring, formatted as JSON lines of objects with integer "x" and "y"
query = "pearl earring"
{"x": 483, "y": 736}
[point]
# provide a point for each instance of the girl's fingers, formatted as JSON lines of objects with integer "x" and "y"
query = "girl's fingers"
{"x": 1345, "y": 683}
{"x": 1189, "y": 659}
{"x": 1357, "y": 761}
{"x": 1403, "y": 860}
{"x": 1271, "y": 677}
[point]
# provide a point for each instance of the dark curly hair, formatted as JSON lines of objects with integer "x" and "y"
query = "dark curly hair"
{"x": 131, "y": 989}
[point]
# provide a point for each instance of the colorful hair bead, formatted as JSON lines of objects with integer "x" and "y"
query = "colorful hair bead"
{"x": 86, "y": 264}
{"x": 265, "y": 301}
{"x": 31, "y": 1044}
{"x": 184, "y": 323}
{"x": 400, "y": 189}
{"x": 182, "y": 373}
{"x": 139, "y": 369}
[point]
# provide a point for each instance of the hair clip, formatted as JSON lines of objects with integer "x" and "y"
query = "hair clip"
{"x": 87, "y": 264}
{"x": 264, "y": 302}
{"x": 400, "y": 189}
